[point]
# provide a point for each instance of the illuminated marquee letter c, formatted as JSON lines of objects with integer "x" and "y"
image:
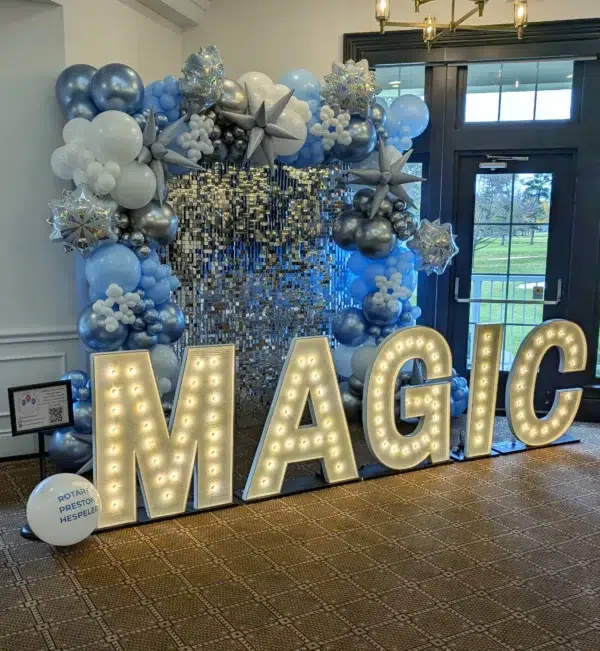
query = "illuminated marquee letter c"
{"x": 431, "y": 401}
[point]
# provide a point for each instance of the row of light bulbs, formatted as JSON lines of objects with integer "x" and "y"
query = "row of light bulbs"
{"x": 130, "y": 432}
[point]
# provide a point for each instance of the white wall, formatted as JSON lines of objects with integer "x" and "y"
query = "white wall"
{"x": 98, "y": 32}
{"x": 38, "y": 341}
{"x": 274, "y": 36}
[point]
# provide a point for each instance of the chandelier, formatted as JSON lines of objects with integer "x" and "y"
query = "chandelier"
{"x": 432, "y": 30}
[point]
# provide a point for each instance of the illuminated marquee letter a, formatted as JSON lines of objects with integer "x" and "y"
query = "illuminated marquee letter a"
{"x": 130, "y": 432}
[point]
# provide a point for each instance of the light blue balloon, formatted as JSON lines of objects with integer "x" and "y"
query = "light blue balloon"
{"x": 416, "y": 312}
{"x": 408, "y": 116}
{"x": 359, "y": 289}
{"x": 410, "y": 280}
{"x": 158, "y": 88}
{"x": 167, "y": 102}
{"x": 372, "y": 271}
{"x": 171, "y": 85}
{"x": 306, "y": 84}
{"x": 112, "y": 263}
{"x": 160, "y": 292}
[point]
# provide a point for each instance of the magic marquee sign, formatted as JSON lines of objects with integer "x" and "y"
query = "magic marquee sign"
{"x": 133, "y": 442}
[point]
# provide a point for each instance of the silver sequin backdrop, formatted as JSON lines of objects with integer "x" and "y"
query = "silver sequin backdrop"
{"x": 257, "y": 265}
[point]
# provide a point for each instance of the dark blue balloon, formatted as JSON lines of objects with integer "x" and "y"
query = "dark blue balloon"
{"x": 69, "y": 449}
{"x": 82, "y": 417}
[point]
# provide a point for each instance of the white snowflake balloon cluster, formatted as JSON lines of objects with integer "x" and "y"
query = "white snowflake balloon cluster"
{"x": 332, "y": 128}
{"x": 197, "y": 141}
{"x": 126, "y": 303}
{"x": 390, "y": 290}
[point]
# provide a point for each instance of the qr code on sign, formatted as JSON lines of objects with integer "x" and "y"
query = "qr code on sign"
{"x": 55, "y": 415}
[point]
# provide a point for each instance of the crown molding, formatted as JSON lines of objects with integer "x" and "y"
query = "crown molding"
{"x": 183, "y": 13}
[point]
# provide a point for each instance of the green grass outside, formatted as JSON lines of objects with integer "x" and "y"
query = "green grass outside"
{"x": 525, "y": 258}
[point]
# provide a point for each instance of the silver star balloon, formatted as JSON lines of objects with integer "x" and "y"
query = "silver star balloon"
{"x": 434, "y": 245}
{"x": 261, "y": 122}
{"x": 202, "y": 79}
{"x": 81, "y": 219}
{"x": 388, "y": 178}
{"x": 156, "y": 154}
{"x": 350, "y": 87}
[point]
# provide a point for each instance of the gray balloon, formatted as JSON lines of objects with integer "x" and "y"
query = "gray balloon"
{"x": 158, "y": 223}
{"x": 82, "y": 416}
{"x": 138, "y": 325}
{"x": 380, "y": 315}
{"x": 345, "y": 227}
{"x": 385, "y": 209}
{"x": 356, "y": 386}
{"x": 375, "y": 238}
{"x": 364, "y": 139}
{"x": 74, "y": 82}
{"x": 362, "y": 198}
{"x": 92, "y": 332}
{"x": 349, "y": 327}
{"x": 404, "y": 224}
{"x": 234, "y": 97}
{"x": 117, "y": 87}
{"x": 352, "y": 404}
{"x": 378, "y": 116}
{"x": 140, "y": 341}
{"x": 70, "y": 450}
{"x": 81, "y": 106}
{"x": 173, "y": 323}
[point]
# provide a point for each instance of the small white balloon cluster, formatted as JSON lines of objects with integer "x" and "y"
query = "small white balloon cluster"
{"x": 197, "y": 141}
{"x": 101, "y": 178}
{"x": 390, "y": 291}
{"x": 125, "y": 301}
{"x": 332, "y": 128}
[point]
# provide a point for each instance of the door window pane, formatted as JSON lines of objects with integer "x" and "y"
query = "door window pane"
{"x": 400, "y": 80}
{"x": 519, "y": 91}
{"x": 509, "y": 258}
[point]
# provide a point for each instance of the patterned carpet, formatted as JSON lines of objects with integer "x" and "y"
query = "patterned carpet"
{"x": 492, "y": 555}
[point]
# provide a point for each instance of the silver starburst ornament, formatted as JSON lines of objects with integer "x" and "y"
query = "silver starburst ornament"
{"x": 157, "y": 155}
{"x": 202, "y": 79}
{"x": 350, "y": 87}
{"x": 434, "y": 245}
{"x": 261, "y": 122}
{"x": 388, "y": 178}
{"x": 81, "y": 220}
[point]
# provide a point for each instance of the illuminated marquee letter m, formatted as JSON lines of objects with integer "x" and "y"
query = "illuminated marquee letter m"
{"x": 130, "y": 433}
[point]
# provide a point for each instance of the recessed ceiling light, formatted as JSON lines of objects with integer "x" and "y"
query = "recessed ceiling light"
{"x": 394, "y": 83}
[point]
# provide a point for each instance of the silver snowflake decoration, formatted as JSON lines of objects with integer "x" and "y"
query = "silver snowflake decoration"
{"x": 81, "y": 220}
{"x": 388, "y": 178}
{"x": 261, "y": 122}
{"x": 350, "y": 87}
{"x": 434, "y": 245}
{"x": 202, "y": 78}
{"x": 156, "y": 154}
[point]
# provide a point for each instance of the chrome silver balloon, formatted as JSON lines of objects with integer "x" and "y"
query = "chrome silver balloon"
{"x": 349, "y": 327}
{"x": 70, "y": 450}
{"x": 356, "y": 386}
{"x": 233, "y": 97}
{"x": 375, "y": 238}
{"x": 140, "y": 341}
{"x": 345, "y": 227}
{"x": 378, "y": 116}
{"x": 73, "y": 88}
{"x": 157, "y": 223}
{"x": 362, "y": 200}
{"x": 136, "y": 239}
{"x": 404, "y": 224}
{"x": 92, "y": 331}
{"x": 364, "y": 140}
{"x": 117, "y": 87}
{"x": 173, "y": 323}
{"x": 352, "y": 404}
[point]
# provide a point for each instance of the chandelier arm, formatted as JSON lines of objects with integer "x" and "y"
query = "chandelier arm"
{"x": 394, "y": 23}
{"x": 455, "y": 23}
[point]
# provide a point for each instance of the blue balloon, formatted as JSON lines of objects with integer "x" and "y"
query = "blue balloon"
{"x": 161, "y": 292}
{"x": 140, "y": 341}
{"x": 117, "y": 87}
{"x": 85, "y": 393}
{"x": 350, "y": 327}
{"x": 461, "y": 382}
{"x": 82, "y": 417}
{"x": 172, "y": 320}
{"x": 305, "y": 84}
{"x": 410, "y": 280}
{"x": 112, "y": 263}
{"x": 69, "y": 449}
{"x": 158, "y": 88}
{"x": 359, "y": 289}
{"x": 357, "y": 264}
{"x": 372, "y": 271}
{"x": 167, "y": 102}
{"x": 408, "y": 116}
{"x": 415, "y": 311}
{"x": 91, "y": 327}
{"x": 78, "y": 378}
{"x": 171, "y": 85}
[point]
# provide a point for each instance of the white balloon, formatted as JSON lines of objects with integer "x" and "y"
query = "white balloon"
{"x": 79, "y": 177}
{"x": 164, "y": 364}
{"x": 277, "y": 91}
{"x": 115, "y": 136}
{"x": 362, "y": 359}
{"x": 135, "y": 186}
{"x": 63, "y": 509}
{"x": 104, "y": 184}
{"x": 94, "y": 170}
{"x": 60, "y": 163}
{"x": 112, "y": 168}
{"x": 292, "y": 122}
{"x": 256, "y": 81}
{"x": 342, "y": 358}
{"x": 77, "y": 129}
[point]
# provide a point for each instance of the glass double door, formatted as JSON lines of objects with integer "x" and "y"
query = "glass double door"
{"x": 514, "y": 229}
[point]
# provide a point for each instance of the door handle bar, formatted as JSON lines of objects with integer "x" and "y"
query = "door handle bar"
{"x": 508, "y": 301}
